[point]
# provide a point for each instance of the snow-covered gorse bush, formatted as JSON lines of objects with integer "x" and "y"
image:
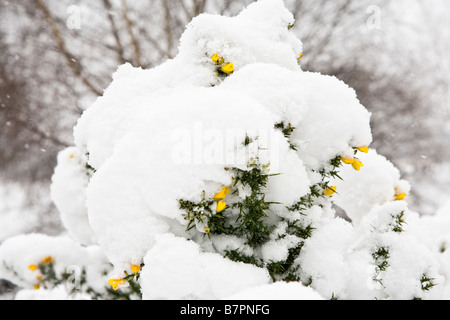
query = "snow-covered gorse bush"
{"x": 218, "y": 175}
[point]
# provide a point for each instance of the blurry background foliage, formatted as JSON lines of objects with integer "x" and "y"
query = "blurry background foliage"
{"x": 57, "y": 56}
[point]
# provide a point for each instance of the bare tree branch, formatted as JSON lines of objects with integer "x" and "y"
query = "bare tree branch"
{"x": 186, "y": 11}
{"x": 115, "y": 32}
{"x": 27, "y": 125}
{"x": 134, "y": 42}
{"x": 199, "y": 7}
{"x": 76, "y": 68}
{"x": 167, "y": 28}
{"x": 340, "y": 13}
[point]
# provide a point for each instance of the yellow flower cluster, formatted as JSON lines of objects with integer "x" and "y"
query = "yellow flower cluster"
{"x": 116, "y": 284}
{"x": 225, "y": 67}
{"x": 357, "y": 165}
{"x": 222, "y": 205}
{"x": 34, "y": 268}
{"x": 355, "y": 162}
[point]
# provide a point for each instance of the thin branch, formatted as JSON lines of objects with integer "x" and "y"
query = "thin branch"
{"x": 76, "y": 69}
{"x": 134, "y": 42}
{"x": 167, "y": 28}
{"x": 27, "y": 125}
{"x": 186, "y": 10}
{"x": 339, "y": 15}
{"x": 199, "y": 7}
{"x": 226, "y": 6}
{"x": 115, "y": 32}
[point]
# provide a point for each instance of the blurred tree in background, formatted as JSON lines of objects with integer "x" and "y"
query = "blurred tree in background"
{"x": 58, "y": 56}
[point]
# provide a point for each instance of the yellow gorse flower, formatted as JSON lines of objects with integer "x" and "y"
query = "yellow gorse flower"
{"x": 364, "y": 149}
{"x": 116, "y": 283}
{"x": 348, "y": 160}
{"x": 48, "y": 259}
{"x": 329, "y": 191}
{"x": 399, "y": 195}
{"x": 37, "y": 286}
{"x": 227, "y": 68}
{"x": 32, "y": 267}
{"x": 135, "y": 268}
{"x": 217, "y": 59}
{"x": 300, "y": 57}
{"x": 222, "y": 194}
{"x": 221, "y": 206}
{"x": 354, "y": 162}
{"x": 357, "y": 165}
